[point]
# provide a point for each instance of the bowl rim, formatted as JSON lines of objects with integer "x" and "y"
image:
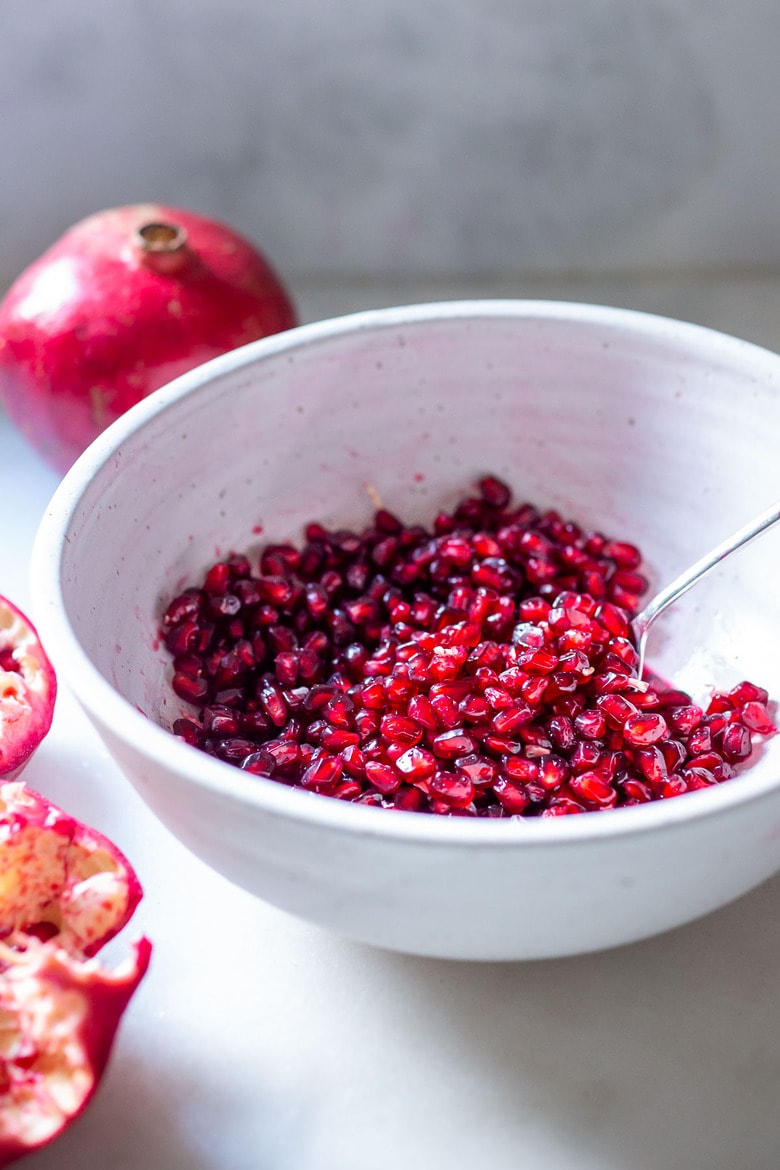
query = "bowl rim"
{"x": 107, "y": 708}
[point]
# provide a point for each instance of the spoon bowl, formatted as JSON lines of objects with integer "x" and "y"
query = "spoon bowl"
{"x": 676, "y": 589}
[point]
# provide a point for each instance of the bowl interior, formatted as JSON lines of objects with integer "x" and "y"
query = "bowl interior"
{"x": 651, "y": 431}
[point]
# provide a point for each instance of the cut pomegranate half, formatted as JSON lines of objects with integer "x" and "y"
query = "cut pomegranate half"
{"x": 28, "y": 689}
{"x": 65, "y": 889}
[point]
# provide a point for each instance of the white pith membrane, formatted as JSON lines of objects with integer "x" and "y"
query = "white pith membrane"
{"x": 50, "y": 872}
{"x": 56, "y": 1018}
{"x": 45, "y": 1069}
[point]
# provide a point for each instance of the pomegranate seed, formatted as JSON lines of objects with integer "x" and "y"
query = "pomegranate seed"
{"x": 684, "y": 719}
{"x": 670, "y": 698}
{"x": 591, "y": 724}
{"x": 644, "y": 729}
{"x": 613, "y": 619}
{"x": 593, "y": 789}
{"x": 494, "y": 491}
{"x": 284, "y": 752}
{"x": 446, "y": 710}
{"x": 474, "y": 708}
{"x": 747, "y": 692}
{"x": 336, "y": 738}
{"x": 717, "y": 723}
{"x": 631, "y": 582}
{"x": 217, "y": 578}
{"x": 398, "y": 687}
{"x": 674, "y": 753}
{"x": 227, "y": 605}
{"x": 188, "y": 729}
{"x": 538, "y": 662}
{"x": 235, "y": 749}
{"x": 553, "y": 772}
{"x": 181, "y": 639}
{"x": 479, "y": 770}
{"x": 256, "y": 725}
{"x": 756, "y": 717}
{"x": 519, "y": 768}
{"x": 347, "y": 790}
{"x": 700, "y": 741}
{"x": 512, "y": 795}
{"x": 446, "y": 662}
{"x": 534, "y": 690}
{"x": 653, "y": 765}
{"x": 259, "y": 764}
{"x": 484, "y": 545}
{"x": 708, "y": 760}
{"x": 736, "y": 743}
{"x": 719, "y": 703}
{"x": 323, "y": 770}
{"x": 450, "y": 744}
{"x": 512, "y": 718}
{"x": 626, "y": 555}
{"x": 409, "y": 799}
{"x": 696, "y": 778}
{"x": 354, "y": 761}
{"x": 286, "y": 668}
{"x": 586, "y": 756}
{"x": 562, "y": 806}
{"x": 339, "y": 711}
{"x": 422, "y": 712}
{"x": 187, "y": 606}
{"x": 454, "y": 788}
{"x": 616, "y": 709}
{"x": 399, "y": 729}
{"x": 192, "y": 690}
{"x": 220, "y": 721}
{"x": 562, "y": 733}
{"x": 636, "y": 791}
{"x": 498, "y": 698}
{"x": 416, "y": 764}
{"x": 272, "y": 701}
{"x": 366, "y": 723}
{"x": 383, "y": 777}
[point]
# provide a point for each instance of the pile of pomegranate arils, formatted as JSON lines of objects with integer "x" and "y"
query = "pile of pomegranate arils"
{"x": 482, "y": 668}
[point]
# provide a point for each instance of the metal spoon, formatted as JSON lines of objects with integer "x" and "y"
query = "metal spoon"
{"x": 643, "y": 620}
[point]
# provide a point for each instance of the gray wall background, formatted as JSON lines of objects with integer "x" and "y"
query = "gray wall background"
{"x": 367, "y": 138}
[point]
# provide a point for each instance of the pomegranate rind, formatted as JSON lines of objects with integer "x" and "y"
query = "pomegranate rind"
{"x": 65, "y": 890}
{"x": 93, "y": 326}
{"x": 58, "y": 1019}
{"x": 28, "y": 690}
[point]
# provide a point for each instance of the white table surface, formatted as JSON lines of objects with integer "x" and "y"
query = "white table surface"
{"x": 257, "y": 1042}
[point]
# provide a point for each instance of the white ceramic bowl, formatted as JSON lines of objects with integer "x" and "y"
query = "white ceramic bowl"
{"x": 646, "y": 428}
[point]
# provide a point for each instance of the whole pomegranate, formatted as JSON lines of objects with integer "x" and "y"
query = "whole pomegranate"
{"x": 123, "y": 302}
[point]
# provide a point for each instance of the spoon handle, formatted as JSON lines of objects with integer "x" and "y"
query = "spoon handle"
{"x": 682, "y": 584}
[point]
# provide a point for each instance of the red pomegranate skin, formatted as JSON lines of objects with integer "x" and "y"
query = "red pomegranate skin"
{"x": 99, "y": 321}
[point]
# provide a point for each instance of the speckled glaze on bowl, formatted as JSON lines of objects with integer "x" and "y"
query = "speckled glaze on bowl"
{"x": 649, "y": 429}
